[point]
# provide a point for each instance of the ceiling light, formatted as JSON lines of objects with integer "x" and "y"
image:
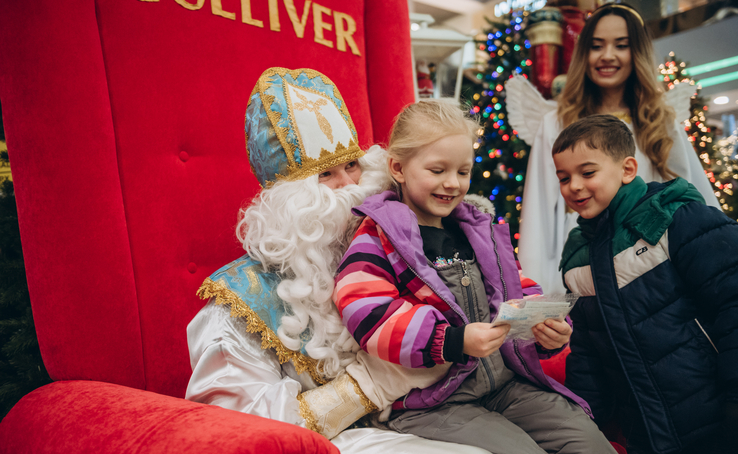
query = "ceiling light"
{"x": 721, "y": 100}
{"x": 715, "y": 80}
{"x": 712, "y": 66}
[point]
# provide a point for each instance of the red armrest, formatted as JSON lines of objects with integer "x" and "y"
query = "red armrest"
{"x": 95, "y": 417}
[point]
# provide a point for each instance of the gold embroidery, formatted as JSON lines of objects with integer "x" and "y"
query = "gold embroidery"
{"x": 190, "y": 6}
{"x": 279, "y": 131}
{"x": 274, "y": 16}
{"x": 293, "y": 121}
{"x": 254, "y": 324}
{"x": 331, "y": 408}
{"x": 267, "y": 100}
{"x": 311, "y": 166}
{"x": 319, "y": 25}
{"x": 254, "y": 282}
{"x": 246, "y": 17}
{"x": 344, "y": 34}
{"x": 336, "y": 415}
{"x": 232, "y": 271}
{"x": 314, "y": 107}
{"x": 622, "y": 116}
{"x": 217, "y": 8}
{"x": 368, "y": 404}
{"x": 298, "y": 24}
{"x": 310, "y": 421}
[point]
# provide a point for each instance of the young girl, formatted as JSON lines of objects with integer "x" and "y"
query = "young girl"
{"x": 613, "y": 72}
{"x": 418, "y": 286}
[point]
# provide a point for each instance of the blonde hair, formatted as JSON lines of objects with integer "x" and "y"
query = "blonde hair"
{"x": 424, "y": 122}
{"x": 644, "y": 96}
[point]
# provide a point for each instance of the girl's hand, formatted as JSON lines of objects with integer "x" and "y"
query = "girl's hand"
{"x": 481, "y": 339}
{"x": 552, "y": 334}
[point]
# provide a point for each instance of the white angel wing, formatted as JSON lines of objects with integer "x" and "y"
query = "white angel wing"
{"x": 679, "y": 99}
{"x": 526, "y": 107}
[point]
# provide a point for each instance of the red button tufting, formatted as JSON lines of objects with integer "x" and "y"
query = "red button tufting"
{"x": 184, "y": 156}
{"x": 191, "y": 267}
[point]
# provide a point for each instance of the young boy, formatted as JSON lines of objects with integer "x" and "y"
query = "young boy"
{"x": 655, "y": 341}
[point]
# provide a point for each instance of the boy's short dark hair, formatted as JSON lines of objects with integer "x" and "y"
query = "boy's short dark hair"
{"x": 600, "y": 132}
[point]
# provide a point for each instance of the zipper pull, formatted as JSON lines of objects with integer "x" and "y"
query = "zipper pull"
{"x": 465, "y": 280}
{"x": 698, "y": 324}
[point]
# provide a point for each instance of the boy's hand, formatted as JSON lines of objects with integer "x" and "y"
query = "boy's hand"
{"x": 552, "y": 334}
{"x": 481, "y": 339}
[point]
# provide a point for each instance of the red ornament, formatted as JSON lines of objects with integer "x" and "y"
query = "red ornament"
{"x": 545, "y": 40}
{"x": 425, "y": 84}
{"x": 573, "y": 24}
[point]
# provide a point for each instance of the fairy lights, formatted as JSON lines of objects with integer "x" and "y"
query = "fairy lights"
{"x": 717, "y": 156}
{"x": 500, "y": 174}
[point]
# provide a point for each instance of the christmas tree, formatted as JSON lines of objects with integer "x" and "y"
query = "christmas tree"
{"x": 715, "y": 155}
{"x": 21, "y": 367}
{"x": 501, "y": 157}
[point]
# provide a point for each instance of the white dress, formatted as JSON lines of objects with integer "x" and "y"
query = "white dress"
{"x": 545, "y": 224}
{"x": 231, "y": 370}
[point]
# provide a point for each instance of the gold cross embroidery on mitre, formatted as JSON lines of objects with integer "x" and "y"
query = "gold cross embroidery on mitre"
{"x": 314, "y": 107}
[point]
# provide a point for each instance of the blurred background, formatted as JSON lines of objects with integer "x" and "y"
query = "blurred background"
{"x": 465, "y": 50}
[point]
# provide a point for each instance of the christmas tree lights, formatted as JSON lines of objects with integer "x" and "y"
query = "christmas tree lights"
{"x": 501, "y": 157}
{"x": 715, "y": 155}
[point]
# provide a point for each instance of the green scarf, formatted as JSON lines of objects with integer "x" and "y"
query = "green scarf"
{"x": 631, "y": 220}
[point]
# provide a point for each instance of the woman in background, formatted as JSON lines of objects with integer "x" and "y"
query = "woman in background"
{"x": 612, "y": 72}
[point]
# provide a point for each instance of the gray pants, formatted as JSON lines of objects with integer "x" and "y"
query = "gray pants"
{"x": 519, "y": 419}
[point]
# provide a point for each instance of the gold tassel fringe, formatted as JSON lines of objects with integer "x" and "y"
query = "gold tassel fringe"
{"x": 254, "y": 324}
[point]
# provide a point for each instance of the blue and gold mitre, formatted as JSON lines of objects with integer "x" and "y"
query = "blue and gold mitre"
{"x": 251, "y": 294}
{"x": 297, "y": 125}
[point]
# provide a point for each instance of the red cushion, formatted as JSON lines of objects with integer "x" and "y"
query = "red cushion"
{"x": 555, "y": 367}
{"x": 98, "y": 418}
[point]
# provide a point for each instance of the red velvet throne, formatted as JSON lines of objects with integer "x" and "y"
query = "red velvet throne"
{"x": 124, "y": 121}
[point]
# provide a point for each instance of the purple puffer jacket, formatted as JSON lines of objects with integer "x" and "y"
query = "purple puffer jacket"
{"x": 496, "y": 259}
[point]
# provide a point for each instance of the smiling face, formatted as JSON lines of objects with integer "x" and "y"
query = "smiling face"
{"x": 610, "y": 58}
{"x": 589, "y": 179}
{"x": 435, "y": 178}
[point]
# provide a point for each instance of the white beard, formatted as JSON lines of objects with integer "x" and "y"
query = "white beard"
{"x": 301, "y": 230}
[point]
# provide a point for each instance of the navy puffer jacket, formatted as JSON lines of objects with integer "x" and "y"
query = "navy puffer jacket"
{"x": 658, "y": 271}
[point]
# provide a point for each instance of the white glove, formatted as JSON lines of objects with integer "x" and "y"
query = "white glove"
{"x": 369, "y": 384}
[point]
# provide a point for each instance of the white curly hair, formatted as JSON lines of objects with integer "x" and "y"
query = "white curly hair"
{"x": 301, "y": 229}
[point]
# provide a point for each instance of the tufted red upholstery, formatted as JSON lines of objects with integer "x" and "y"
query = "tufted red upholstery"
{"x": 124, "y": 122}
{"x": 81, "y": 422}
